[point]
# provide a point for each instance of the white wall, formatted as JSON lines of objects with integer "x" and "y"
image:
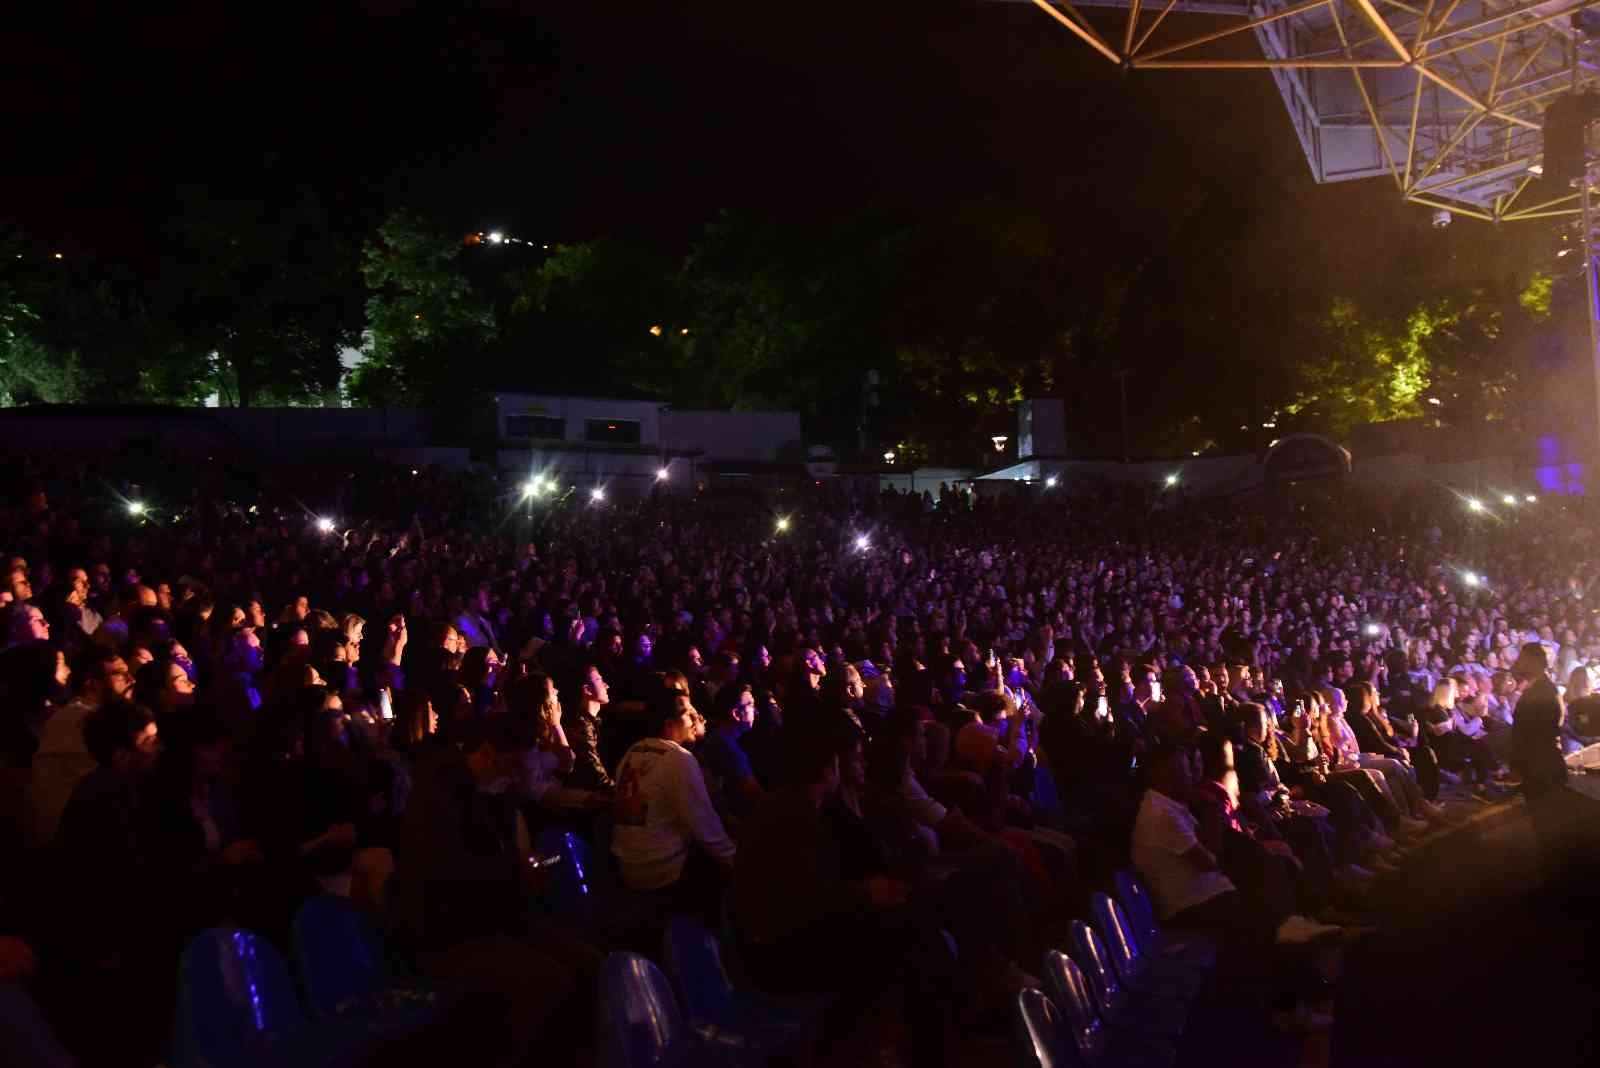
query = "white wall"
{"x": 731, "y": 435}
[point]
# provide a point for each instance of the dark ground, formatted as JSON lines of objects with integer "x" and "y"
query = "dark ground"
{"x": 1477, "y": 965}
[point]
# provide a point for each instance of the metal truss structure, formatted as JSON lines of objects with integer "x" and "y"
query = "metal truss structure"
{"x": 1444, "y": 97}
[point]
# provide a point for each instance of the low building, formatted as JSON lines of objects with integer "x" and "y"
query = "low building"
{"x": 633, "y": 444}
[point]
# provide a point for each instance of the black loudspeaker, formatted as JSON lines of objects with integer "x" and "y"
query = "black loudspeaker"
{"x": 1565, "y": 121}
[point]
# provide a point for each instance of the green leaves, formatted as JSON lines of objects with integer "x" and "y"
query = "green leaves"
{"x": 424, "y": 318}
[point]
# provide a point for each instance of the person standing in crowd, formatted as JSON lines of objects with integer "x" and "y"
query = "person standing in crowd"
{"x": 1558, "y": 818}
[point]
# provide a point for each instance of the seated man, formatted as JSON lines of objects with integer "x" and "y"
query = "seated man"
{"x": 803, "y": 927}
{"x": 1186, "y": 882}
{"x": 98, "y": 675}
{"x": 668, "y": 838}
{"x": 733, "y": 785}
{"x": 460, "y": 904}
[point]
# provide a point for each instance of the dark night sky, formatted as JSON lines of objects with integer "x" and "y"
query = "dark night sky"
{"x": 562, "y": 121}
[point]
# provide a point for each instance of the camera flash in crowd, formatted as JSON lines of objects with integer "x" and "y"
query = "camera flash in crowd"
{"x": 1474, "y": 505}
{"x": 325, "y": 525}
{"x": 1471, "y": 578}
{"x": 862, "y": 542}
{"x": 597, "y": 494}
{"x": 1373, "y": 630}
{"x": 662, "y": 474}
{"x": 136, "y": 507}
{"x": 783, "y": 523}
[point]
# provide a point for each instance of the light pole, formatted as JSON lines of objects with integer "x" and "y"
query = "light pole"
{"x": 1122, "y": 388}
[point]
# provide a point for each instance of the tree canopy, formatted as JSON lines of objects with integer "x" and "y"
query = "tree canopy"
{"x": 912, "y": 334}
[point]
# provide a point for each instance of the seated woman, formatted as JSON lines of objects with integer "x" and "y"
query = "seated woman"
{"x": 1266, "y": 802}
{"x": 1344, "y": 766}
{"x": 1264, "y": 864}
{"x": 1405, "y": 731}
{"x": 533, "y": 698}
{"x": 1446, "y": 732}
{"x": 1305, "y": 764}
{"x": 1361, "y": 725}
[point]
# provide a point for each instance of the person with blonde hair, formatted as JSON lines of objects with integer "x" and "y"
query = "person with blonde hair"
{"x": 1441, "y": 724}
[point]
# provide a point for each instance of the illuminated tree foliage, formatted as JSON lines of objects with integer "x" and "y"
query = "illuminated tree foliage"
{"x": 1458, "y": 359}
{"x": 427, "y": 324}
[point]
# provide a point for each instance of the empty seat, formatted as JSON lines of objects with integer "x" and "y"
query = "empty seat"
{"x": 641, "y": 1026}
{"x": 347, "y": 974}
{"x": 236, "y": 1006}
{"x": 694, "y": 960}
{"x": 1041, "y": 1033}
{"x": 1123, "y": 1009}
{"x": 1136, "y": 970}
{"x": 1095, "y": 1043}
{"x": 1196, "y": 951}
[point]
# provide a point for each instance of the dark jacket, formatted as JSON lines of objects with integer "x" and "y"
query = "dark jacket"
{"x": 588, "y": 770}
{"x": 788, "y": 875}
{"x": 462, "y": 873}
{"x": 1535, "y": 754}
{"x": 1371, "y": 737}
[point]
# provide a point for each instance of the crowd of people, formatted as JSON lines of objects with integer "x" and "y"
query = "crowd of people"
{"x": 891, "y": 740}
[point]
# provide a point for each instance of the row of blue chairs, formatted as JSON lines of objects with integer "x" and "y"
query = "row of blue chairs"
{"x": 707, "y": 1019}
{"x": 1122, "y": 999}
{"x": 237, "y": 1004}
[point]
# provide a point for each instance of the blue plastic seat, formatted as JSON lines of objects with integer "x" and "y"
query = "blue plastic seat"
{"x": 694, "y": 960}
{"x": 1047, "y": 796}
{"x": 1095, "y": 1043}
{"x": 641, "y": 1026}
{"x": 1162, "y": 978}
{"x": 1121, "y": 1008}
{"x": 347, "y": 974}
{"x": 236, "y": 1006}
{"x": 573, "y": 889}
{"x": 1196, "y": 951}
{"x": 1041, "y": 1033}
{"x": 584, "y": 894}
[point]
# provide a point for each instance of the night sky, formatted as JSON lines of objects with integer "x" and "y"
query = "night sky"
{"x": 561, "y": 122}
